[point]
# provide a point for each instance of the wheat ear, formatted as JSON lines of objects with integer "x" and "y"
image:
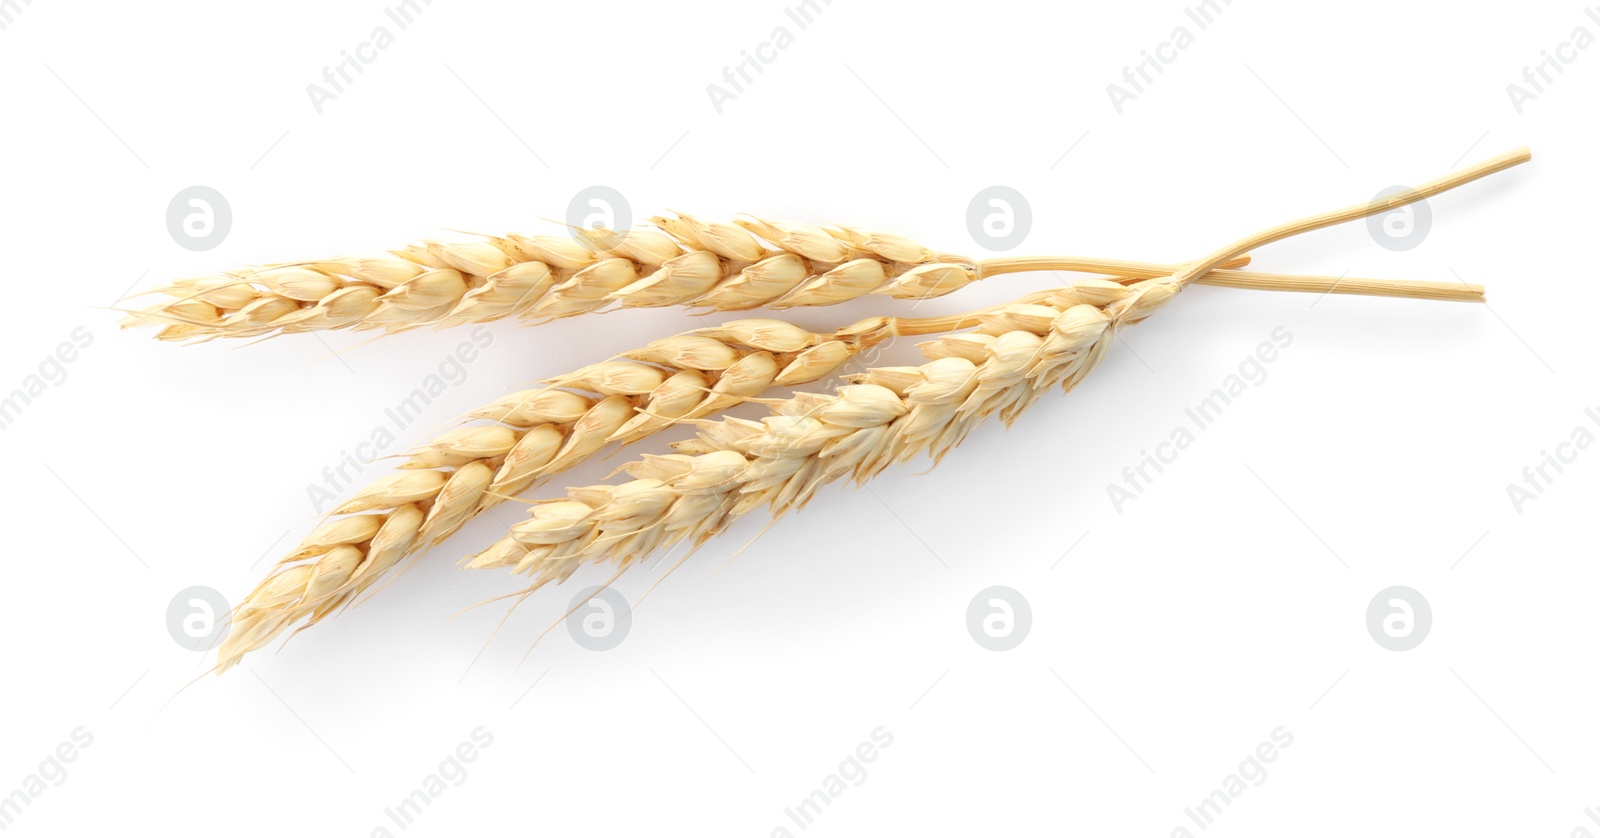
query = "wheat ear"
{"x": 713, "y": 265}
{"x": 686, "y": 261}
{"x": 530, "y": 435}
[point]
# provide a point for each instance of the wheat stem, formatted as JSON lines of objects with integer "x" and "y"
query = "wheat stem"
{"x": 1488, "y": 167}
{"x": 1256, "y": 280}
{"x": 1404, "y": 288}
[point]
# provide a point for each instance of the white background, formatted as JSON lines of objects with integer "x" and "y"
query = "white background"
{"x": 1226, "y": 601}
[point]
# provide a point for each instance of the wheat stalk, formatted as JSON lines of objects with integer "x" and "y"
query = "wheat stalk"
{"x": 712, "y": 265}
{"x": 885, "y": 416}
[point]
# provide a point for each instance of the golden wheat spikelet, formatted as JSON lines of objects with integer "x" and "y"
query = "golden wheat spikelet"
{"x": 686, "y": 261}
